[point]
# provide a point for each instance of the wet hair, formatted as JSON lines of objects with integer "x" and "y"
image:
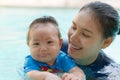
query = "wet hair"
{"x": 107, "y": 17}
{"x": 43, "y": 20}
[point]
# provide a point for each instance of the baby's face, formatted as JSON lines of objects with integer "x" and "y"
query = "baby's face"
{"x": 44, "y": 43}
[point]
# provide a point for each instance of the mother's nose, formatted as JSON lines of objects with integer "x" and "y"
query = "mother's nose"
{"x": 74, "y": 37}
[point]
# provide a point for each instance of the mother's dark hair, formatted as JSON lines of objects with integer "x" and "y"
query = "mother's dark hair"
{"x": 107, "y": 17}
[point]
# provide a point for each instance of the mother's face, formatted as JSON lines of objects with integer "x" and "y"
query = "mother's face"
{"x": 85, "y": 38}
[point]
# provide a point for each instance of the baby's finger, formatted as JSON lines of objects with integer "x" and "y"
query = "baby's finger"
{"x": 64, "y": 76}
{"x": 69, "y": 77}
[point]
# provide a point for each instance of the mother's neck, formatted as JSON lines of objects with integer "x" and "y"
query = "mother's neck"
{"x": 86, "y": 61}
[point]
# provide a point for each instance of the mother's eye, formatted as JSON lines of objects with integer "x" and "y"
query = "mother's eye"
{"x": 73, "y": 27}
{"x": 86, "y": 35}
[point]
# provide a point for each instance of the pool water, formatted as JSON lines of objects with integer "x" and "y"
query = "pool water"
{"x": 14, "y": 23}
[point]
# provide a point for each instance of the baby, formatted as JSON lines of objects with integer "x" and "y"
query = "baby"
{"x": 46, "y": 59}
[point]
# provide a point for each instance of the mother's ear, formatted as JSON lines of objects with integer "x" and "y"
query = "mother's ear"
{"x": 107, "y": 42}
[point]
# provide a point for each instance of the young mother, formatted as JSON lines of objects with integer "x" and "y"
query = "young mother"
{"x": 94, "y": 28}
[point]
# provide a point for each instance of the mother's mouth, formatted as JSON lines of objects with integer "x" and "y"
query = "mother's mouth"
{"x": 73, "y": 48}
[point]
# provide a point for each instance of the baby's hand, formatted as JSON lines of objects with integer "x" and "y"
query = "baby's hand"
{"x": 70, "y": 76}
{"x": 42, "y": 75}
{"x": 51, "y": 76}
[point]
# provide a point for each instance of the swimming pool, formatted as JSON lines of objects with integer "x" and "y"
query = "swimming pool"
{"x": 14, "y": 23}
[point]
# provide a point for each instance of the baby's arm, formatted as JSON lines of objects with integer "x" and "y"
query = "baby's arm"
{"x": 74, "y": 74}
{"x": 42, "y": 75}
{"x": 32, "y": 71}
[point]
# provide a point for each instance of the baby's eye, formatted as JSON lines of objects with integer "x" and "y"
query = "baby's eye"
{"x": 50, "y": 42}
{"x": 36, "y": 44}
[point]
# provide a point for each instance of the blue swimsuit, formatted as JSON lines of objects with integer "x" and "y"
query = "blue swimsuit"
{"x": 103, "y": 68}
{"x": 63, "y": 63}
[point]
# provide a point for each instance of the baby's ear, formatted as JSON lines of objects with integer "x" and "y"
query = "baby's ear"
{"x": 28, "y": 43}
{"x": 107, "y": 42}
{"x": 60, "y": 41}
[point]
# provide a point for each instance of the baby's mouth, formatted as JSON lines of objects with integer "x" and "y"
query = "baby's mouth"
{"x": 43, "y": 55}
